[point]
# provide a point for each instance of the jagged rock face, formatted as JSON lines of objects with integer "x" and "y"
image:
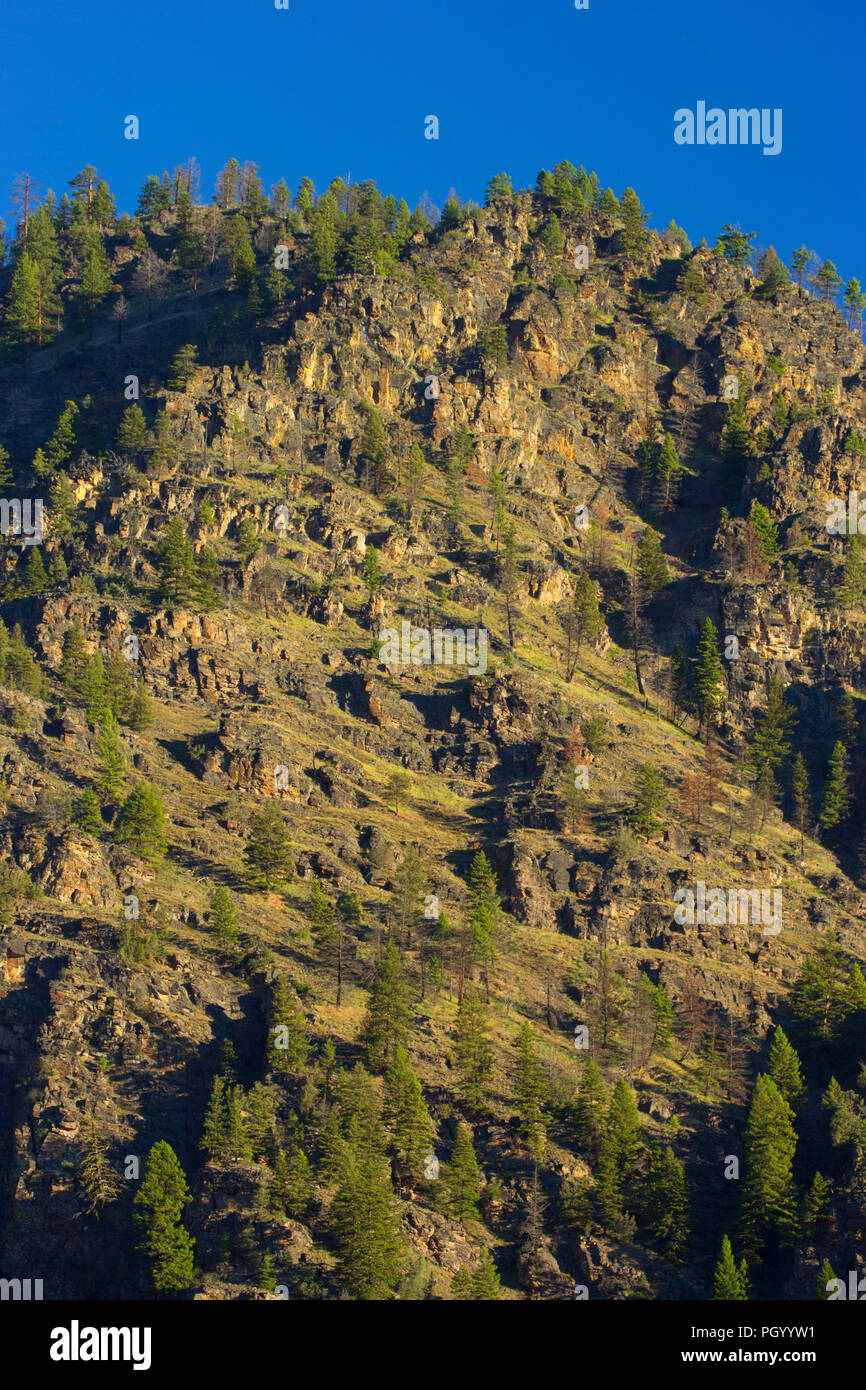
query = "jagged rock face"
{"x": 279, "y": 696}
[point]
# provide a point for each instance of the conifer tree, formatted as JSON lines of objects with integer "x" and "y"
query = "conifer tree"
{"x": 462, "y": 1288}
{"x": 132, "y": 432}
{"x": 463, "y": 1177}
{"x": 298, "y": 1185}
{"x": 530, "y": 1092}
{"x": 111, "y": 777}
{"x": 783, "y": 1066}
{"x": 835, "y": 802}
{"x": 222, "y": 917}
{"x": 769, "y": 1196}
{"x": 141, "y": 716}
{"x": 369, "y": 1247}
{"x": 707, "y": 678}
{"x": 238, "y": 1147}
{"x": 87, "y": 814}
{"x": 176, "y": 564}
{"x": 590, "y": 1111}
{"x": 486, "y": 1284}
{"x": 406, "y": 1113}
{"x": 800, "y": 797}
{"x": 826, "y": 1276}
{"x": 375, "y": 450}
{"x": 159, "y": 1204}
{"x": 215, "y": 1126}
{"x": 267, "y": 850}
{"x": 472, "y": 1048}
{"x": 287, "y": 1030}
{"x": 770, "y": 743}
{"x": 651, "y": 563}
{"x": 727, "y": 1284}
{"x": 816, "y": 1208}
{"x": 141, "y": 822}
{"x": 650, "y": 798}
{"x": 619, "y": 1154}
{"x": 665, "y": 1203}
{"x": 386, "y": 1025}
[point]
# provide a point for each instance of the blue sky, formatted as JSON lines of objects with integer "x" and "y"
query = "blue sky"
{"x": 331, "y": 86}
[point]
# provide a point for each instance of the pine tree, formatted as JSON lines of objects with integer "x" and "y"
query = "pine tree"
{"x": 141, "y": 715}
{"x": 177, "y": 582}
{"x": 386, "y": 1025}
{"x": 132, "y": 432}
{"x": 87, "y": 814}
{"x": 463, "y": 1177}
{"x": 222, "y": 917}
{"x": 783, "y": 1066}
{"x": 530, "y": 1092}
{"x": 769, "y": 1196}
{"x": 365, "y": 1223}
{"x": 111, "y": 778}
{"x": 634, "y": 234}
{"x": 727, "y": 1283}
{"x": 619, "y": 1154}
{"x": 215, "y": 1126}
{"x": 473, "y": 1051}
{"x": 708, "y": 677}
{"x": 238, "y": 1148}
{"x": 836, "y": 798}
{"x": 406, "y": 1113}
{"x": 462, "y": 1287}
{"x": 287, "y": 1031}
{"x": 99, "y": 1180}
{"x": 375, "y": 450}
{"x": 22, "y": 305}
{"x": 159, "y": 1203}
{"x": 74, "y": 659}
{"x": 816, "y": 1208}
{"x": 141, "y": 822}
{"x": 650, "y": 799}
{"x": 267, "y": 851}
{"x": 826, "y": 1276}
{"x": 651, "y": 563}
{"x": 665, "y": 1204}
{"x": 770, "y": 744}
{"x": 590, "y": 1111}
{"x": 800, "y": 797}
{"x": 298, "y": 1185}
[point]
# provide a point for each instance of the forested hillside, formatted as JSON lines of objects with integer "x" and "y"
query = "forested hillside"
{"x": 431, "y": 748}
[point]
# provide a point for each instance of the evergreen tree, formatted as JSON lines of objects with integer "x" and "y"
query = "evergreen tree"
{"x": 590, "y": 1111}
{"x": 650, "y": 800}
{"x": 141, "y": 822}
{"x": 634, "y": 234}
{"x": 486, "y": 1285}
{"x": 223, "y": 918}
{"x": 708, "y": 677}
{"x": 783, "y": 1066}
{"x": 816, "y": 1208}
{"x": 530, "y": 1091}
{"x": 267, "y": 850}
{"x": 298, "y": 1185}
{"x": 159, "y": 1204}
{"x": 22, "y": 305}
{"x": 87, "y": 814}
{"x": 365, "y": 1223}
{"x": 727, "y": 1284}
{"x": 140, "y": 717}
{"x": 618, "y": 1155}
{"x": 35, "y": 578}
{"x": 111, "y": 778}
{"x": 132, "y": 432}
{"x": 835, "y": 802}
{"x": 665, "y": 1204}
{"x": 826, "y": 1277}
{"x": 386, "y": 1025}
{"x": 215, "y": 1126}
{"x": 177, "y": 582}
{"x": 406, "y": 1113}
{"x": 770, "y": 744}
{"x": 463, "y": 1177}
{"x": 800, "y": 797}
{"x": 769, "y": 1196}
{"x": 375, "y": 451}
{"x": 287, "y": 1031}
{"x": 651, "y": 563}
{"x": 472, "y": 1048}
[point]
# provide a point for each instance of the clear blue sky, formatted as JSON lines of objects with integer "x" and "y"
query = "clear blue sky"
{"x": 336, "y": 85}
